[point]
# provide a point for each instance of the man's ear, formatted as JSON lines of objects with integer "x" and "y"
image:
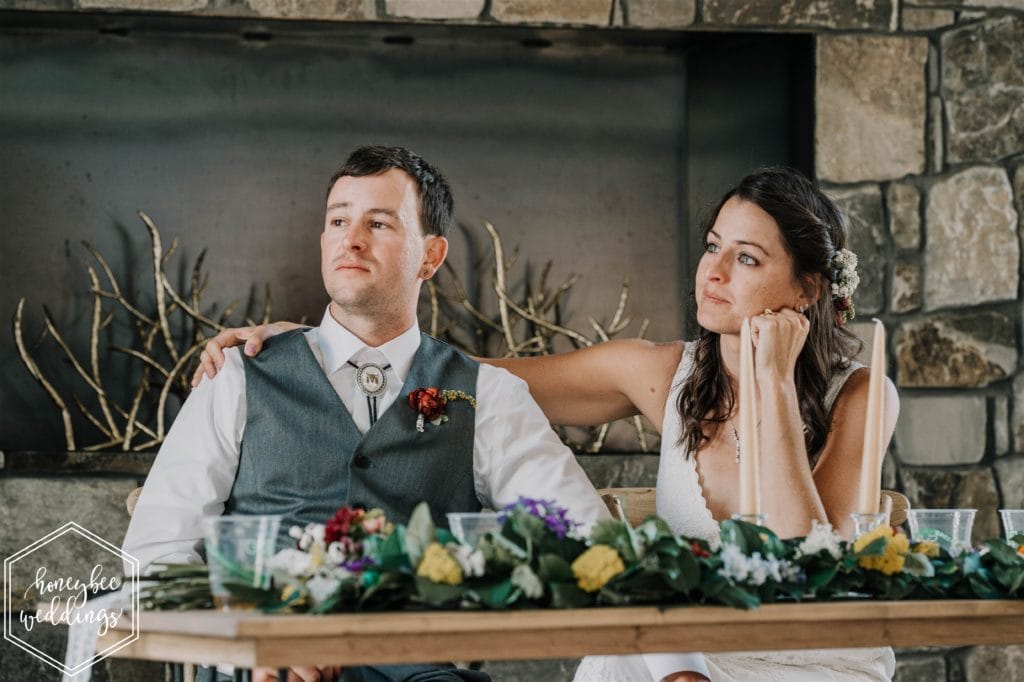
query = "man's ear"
{"x": 435, "y": 250}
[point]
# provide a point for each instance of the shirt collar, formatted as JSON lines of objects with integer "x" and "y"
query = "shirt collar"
{"x": 338, "y": 345}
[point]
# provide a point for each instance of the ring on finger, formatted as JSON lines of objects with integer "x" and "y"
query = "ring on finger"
{"x": 768, "y": 312}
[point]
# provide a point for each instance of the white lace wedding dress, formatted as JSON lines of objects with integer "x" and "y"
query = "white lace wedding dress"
{"x": 681, "y": 503}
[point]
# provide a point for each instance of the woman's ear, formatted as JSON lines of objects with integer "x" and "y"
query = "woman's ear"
{"x": 812, "y": 287}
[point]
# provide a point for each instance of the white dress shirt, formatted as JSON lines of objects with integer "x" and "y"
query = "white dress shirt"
{"x": 515, "y": 451}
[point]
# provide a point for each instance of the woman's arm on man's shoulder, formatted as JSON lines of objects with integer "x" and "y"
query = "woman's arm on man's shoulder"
{"x": 594, "y": 385}
{"x": 212, "y": 359}
{"x": 602, "y": 383}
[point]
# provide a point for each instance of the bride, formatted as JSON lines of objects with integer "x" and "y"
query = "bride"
{"x": 775, "y": 253}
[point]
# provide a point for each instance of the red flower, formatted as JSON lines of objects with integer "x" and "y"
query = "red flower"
{"x": 698, "y": 550}
{"x": 427, "y": 401}
{"x": 340, "y": 525}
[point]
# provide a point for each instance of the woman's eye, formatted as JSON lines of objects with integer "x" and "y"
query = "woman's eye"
{"x": 748, "y": 260}
{"x": 711, "y": 248}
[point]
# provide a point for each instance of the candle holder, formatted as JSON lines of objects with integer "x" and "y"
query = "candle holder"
{"x": 865, "y": 523}
{"x": 756, "y": 519}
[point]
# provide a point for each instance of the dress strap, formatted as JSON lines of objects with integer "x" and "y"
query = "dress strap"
{"x": 837, "y": 382}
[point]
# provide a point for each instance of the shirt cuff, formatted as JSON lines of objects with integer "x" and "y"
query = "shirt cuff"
{"x": 661, "y": 665}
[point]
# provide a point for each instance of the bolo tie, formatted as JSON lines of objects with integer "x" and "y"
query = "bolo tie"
{"x": 372, "y": 381}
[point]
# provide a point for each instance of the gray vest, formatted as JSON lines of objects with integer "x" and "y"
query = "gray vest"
{"x": 303, "y": 457}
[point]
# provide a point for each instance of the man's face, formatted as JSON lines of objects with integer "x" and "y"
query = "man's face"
{"x": 373, "y": 252}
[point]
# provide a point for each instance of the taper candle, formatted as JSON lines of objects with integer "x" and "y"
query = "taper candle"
{"x": 871, "y": 457}
{"x": 750, "y": 479}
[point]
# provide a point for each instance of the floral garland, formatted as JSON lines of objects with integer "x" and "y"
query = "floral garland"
{"x": 358, "y": 561}
{"x": 844, "y": 283}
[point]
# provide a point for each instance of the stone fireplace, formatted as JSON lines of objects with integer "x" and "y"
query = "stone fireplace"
{"x": 591, "y": 132}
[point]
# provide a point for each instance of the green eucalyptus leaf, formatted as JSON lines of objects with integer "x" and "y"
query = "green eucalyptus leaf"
{"x": 1003, "y": 553}
{"x": 918, "y": 565}
{"x": 444, "y": 536}
{"x": 553, "y": 568}
{"x": 419, "y": 533}
{"x": 437, "y": 594}
{"x": 526, "y": 526}
{"x": 569, "y": 596}
{"x": 389, "y": 554}
{"x": 748, "y": 537}
{"x": 495, "y": 595}
{"x": 617, "y": 535}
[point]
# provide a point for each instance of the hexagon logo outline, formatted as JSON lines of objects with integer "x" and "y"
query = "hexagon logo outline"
{"x": 133, "y": 577}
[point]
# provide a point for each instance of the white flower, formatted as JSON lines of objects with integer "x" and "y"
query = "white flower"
{"x": 294, "y": 562}
{"x": 470, "y": 561}
{"x": 821, "y": 537}
{"x": 525, "y": 579}
{"x": 336, "y": 554}
{"x": 847, "y": 279}
{"x": 312, "y": 533}
{"x": 755, "y": 569}
{"x": 321, "y": 587}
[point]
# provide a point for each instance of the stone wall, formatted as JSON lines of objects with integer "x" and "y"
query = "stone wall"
{"x": 920, "y": 136}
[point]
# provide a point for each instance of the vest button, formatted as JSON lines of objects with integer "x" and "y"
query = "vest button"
{"x": 362, "y": 462}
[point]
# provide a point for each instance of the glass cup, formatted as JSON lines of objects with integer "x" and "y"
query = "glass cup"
{"x": 1013, "y": 522}
{"x": 756, "y": 519}
{"x": 865, "y": 523}
{"x": 238, "y": 551}
{"x": 949, "y": 528}
{"x": 469, "y": 527}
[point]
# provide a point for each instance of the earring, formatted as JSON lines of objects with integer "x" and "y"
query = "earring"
{"x": 426, "y": 272}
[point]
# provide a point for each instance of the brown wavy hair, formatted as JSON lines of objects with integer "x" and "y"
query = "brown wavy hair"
{"x": 813, "y": 230}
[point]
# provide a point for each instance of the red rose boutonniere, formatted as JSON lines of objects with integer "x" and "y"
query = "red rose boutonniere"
{"x": 430, "y": 403}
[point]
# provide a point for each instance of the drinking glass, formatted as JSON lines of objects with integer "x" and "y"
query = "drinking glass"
{"x": 469, "y": 527}
{"x": 238, "y": 551}
{"x": 949, "y": 528}
{"x": 1013, "y": 522}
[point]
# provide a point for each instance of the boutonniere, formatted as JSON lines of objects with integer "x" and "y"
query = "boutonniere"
{"x": 429, "y": 403}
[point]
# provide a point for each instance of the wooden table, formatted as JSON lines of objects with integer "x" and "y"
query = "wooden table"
{"x": 251, "y": 639}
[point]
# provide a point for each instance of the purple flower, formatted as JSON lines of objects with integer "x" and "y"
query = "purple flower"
{"x": 358, "y": 565}
{"x": 555, "y": 518}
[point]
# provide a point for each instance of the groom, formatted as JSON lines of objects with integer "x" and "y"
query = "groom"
{"x": 321, "y": 417}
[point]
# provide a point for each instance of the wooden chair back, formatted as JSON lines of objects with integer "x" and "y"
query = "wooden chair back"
{"x": 636, "y": 504}
{"x": 130, "y": 501}
{"x": 898, "y": 505}
{"x": 632, "y": 505}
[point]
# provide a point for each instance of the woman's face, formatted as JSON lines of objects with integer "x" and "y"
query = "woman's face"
{"x": 745, "y": 269}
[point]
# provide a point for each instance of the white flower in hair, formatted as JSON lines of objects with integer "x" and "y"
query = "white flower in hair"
{"x": 845, "y": 284}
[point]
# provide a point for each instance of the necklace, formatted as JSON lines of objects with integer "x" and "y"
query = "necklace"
{"x": 735, "y": 437}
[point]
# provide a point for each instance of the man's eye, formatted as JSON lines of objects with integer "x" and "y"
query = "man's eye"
{"x": 378, "y": 225}
{"x": 337, "y": 222}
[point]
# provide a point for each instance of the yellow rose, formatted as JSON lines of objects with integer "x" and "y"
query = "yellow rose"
{"x": 439, "y": 566}
{"x": 596, "y": 566}
{"x": 896, "y": 547}
{"x": 928, "y": 548}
